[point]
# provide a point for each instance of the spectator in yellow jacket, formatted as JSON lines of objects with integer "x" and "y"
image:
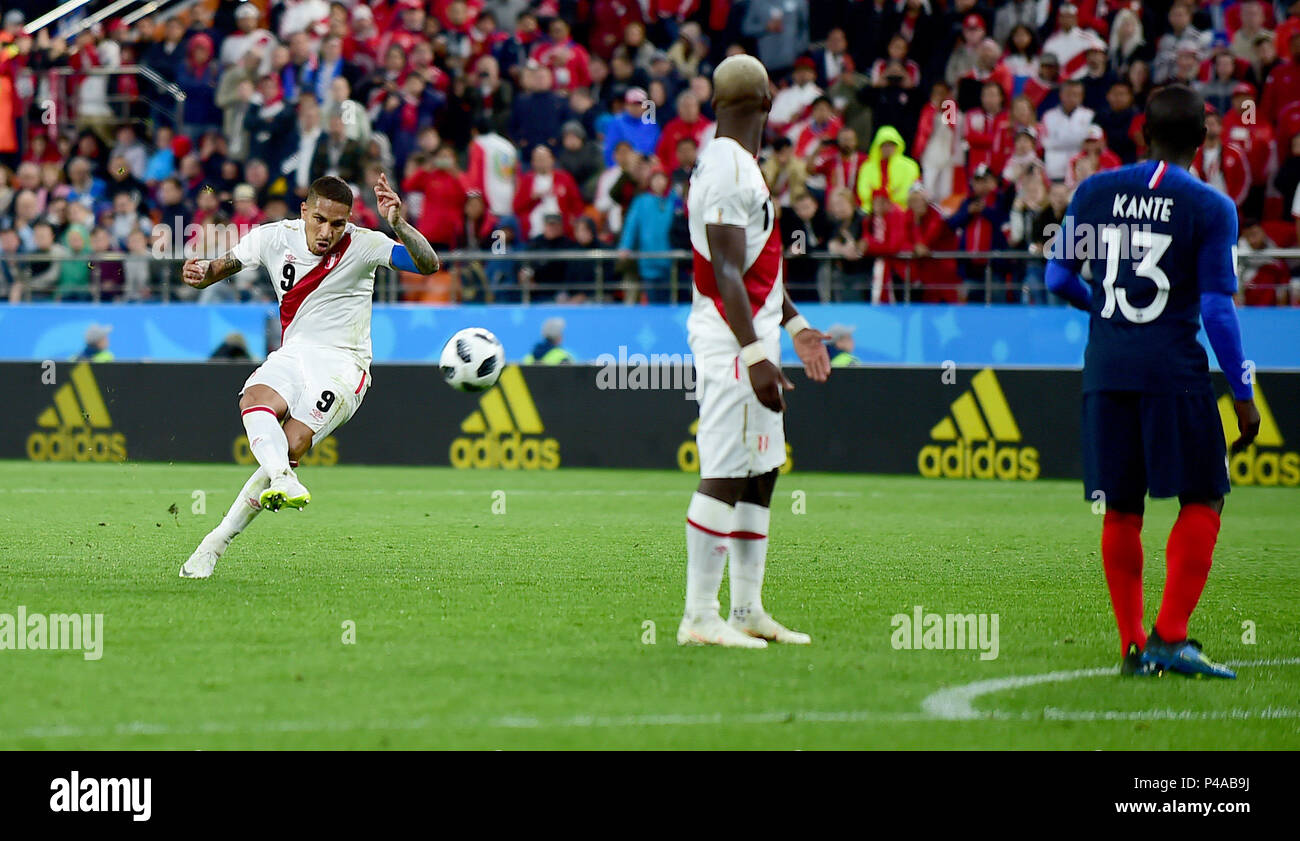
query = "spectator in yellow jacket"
{"x": 887, "y": 166}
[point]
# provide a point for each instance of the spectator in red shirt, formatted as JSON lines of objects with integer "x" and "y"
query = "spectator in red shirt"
{"x": 986, "y": 131}
{"x": 443, "y": 203}
{"x": 609, "y": 19}
{"x": 838, "y": 163}
{"x": 1094, "y": 157}
{"x": 486, "y": 37}
{"x": 896, "y": 50}
{"x": 1243, "y": 129}
{"x": 925, "y": 231}
{"x": 411, "y": 30}
{"x": 544, "y": 190}
{"x": 1220, "y": 164}
{"x": 688, "y": 123}
{"x": 456, "y": 14}
{"x": 822, "y": 124}
{"x": 567, "y": 59}
{"x": 988, "y": 68}
{"x": 884, "y": 234}
{"x": 1283, "y": 84}
{"x": 1263, "y": 283}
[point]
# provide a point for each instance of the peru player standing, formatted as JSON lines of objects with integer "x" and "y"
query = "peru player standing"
{"x": 323, "y": 270}
{"x": 738, "y": 307}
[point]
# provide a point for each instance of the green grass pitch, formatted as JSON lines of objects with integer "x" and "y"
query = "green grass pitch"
{"x": 527, "y": 628}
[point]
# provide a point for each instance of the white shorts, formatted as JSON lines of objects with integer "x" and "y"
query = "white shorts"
{"x": 322, "y": 387}
{"x": 738, "y": 437}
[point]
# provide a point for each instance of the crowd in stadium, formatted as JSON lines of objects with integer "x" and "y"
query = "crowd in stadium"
{"x": 897, "y": 127}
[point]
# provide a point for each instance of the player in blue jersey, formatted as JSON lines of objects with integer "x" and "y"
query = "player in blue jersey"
{"x": 1161, "y": 249}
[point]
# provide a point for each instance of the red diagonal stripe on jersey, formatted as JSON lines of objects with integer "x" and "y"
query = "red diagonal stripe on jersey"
{"x": 293, "y": 299}
{"x": 759, "y": 278}
{"x": 1074, "y": 65}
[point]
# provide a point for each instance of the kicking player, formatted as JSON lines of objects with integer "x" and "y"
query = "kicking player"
{"x": 323, "y": 270}
{"x": 1166, "y": 259}
{"x": 738, "y": 307}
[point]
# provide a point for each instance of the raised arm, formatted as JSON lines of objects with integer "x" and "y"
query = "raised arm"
{"x": 204, "y": 273}
{"x": 422, "y": 257}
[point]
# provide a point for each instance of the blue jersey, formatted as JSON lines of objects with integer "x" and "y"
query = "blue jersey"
{"x": 1154, "y": 238}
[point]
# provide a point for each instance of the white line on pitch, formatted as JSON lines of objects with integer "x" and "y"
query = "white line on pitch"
{"x": 957, "y": 703}
{"x": 944, "y": 705}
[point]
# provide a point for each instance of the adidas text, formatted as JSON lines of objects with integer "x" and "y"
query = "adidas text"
{"x": 977, "y": 460}
{"x": 508, "y": 450}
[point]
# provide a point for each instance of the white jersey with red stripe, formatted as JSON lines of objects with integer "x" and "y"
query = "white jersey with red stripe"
{"x": 324, "y": 300}
{"x": 727, "y": 188}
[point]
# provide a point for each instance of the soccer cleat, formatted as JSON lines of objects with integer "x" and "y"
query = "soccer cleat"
{"x": 1183, "y": 657}
{"x": 1132, "y": 665}
{"x": 285, "y": 490}
{"x": 204, "y": 559}
{"x": 711, "y": 630}
{"x": 761, "y": 625}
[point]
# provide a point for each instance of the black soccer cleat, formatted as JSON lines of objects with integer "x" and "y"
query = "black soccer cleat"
{"x": 1133, "y": 665}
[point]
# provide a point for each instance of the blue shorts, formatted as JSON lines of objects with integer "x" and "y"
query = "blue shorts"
{"x": 1162, "y": 444}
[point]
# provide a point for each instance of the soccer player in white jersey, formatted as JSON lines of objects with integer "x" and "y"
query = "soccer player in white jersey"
{"x": 323, "y": 270}
{"x": 739, "y": 305}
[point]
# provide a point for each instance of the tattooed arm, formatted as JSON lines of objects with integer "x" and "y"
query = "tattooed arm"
{"x": 423, "y": 259}
{"x": 203, "y": 273}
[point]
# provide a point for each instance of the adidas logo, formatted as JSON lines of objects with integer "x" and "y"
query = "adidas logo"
{"x": 1260, "y": 463}
{"x": 985, "y": 439}
{"x": 77, "y": 426}
{"x": 504, "y": 431}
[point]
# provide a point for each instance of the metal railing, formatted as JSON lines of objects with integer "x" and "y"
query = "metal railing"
{"x": 155, "y": 96}
{"x": 512, "y": 276}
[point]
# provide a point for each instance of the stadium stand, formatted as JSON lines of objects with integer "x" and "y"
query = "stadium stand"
{"x": 899, "y": 128}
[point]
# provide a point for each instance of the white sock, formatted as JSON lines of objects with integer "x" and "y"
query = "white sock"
{"x": 748, "y": 558}
{"x": 708, "y": 530}
{"x": 266, "y": 440}
{"x": 244, "y": 509}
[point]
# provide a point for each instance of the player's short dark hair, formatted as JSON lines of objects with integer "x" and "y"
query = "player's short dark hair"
{"x": 1175, "y": 118}
{"x": 332, "y": 188}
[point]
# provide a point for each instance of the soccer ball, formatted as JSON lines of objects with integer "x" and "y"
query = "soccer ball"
{"x": 472, "y": 360}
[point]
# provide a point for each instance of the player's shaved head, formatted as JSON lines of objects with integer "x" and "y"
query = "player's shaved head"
{"x": 740, "y": 82}
{"x": 332, "y": 188}
{"x": 1175, "y": 121}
